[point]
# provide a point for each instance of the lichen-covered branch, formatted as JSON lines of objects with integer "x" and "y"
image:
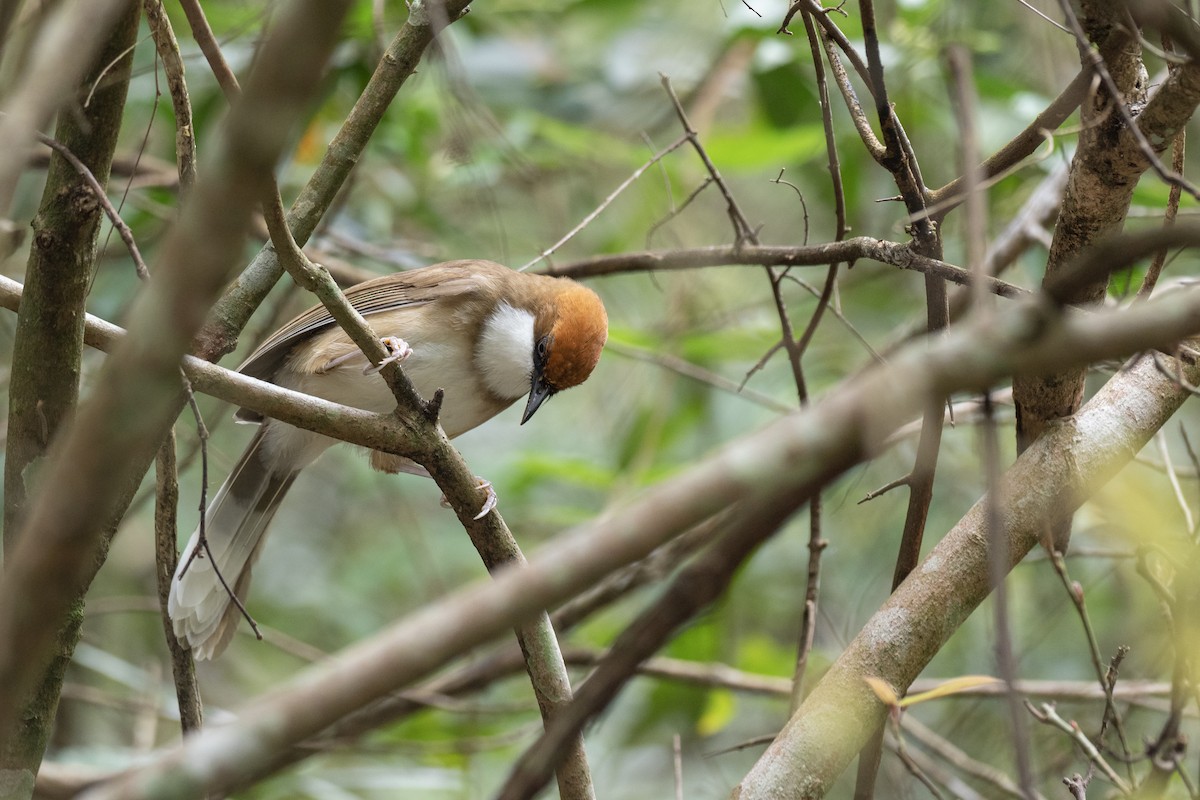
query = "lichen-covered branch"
{"x": 1052, "y": 478}
{"x": 118, "y": 431}
{"x": 47, "y": 354}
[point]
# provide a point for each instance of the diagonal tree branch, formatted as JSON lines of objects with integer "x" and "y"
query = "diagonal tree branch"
{"x": 802, "y": 450}
{"x": 47, "y": 354}
{"x": 1106, "y": 168}
{"x": 489, "y": 534}
{"x": 1052, "y": 477}
{"x": 124, "y": 422}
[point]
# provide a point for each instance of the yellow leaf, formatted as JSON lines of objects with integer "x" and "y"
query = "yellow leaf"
{"x": 884, "y": 691}
{"x": 952, "y": 686}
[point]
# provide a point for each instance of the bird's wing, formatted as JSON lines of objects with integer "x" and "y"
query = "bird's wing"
{"x": 387, "y": 293}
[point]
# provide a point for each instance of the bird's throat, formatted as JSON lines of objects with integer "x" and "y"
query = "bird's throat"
{"x": 504, "y": 353}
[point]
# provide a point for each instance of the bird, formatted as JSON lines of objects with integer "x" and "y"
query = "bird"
{"x": 485, "y": 334}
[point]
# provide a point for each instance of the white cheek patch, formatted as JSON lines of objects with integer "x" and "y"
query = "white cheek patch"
{"x": 505, "y": 353}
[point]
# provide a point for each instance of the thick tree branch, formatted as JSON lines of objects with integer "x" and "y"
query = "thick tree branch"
{"x": 47, "y": 354}
{"x": 1052, "y": 478}
{"x": 1100, "y": 186}
{"x": 122, "y": 425}
{"x": 801, "y": 450}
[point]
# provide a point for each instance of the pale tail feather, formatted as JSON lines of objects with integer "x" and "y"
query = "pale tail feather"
{"x": 202, "y": 614}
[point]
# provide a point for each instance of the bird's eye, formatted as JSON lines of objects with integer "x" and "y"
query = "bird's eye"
{"x": 543, "y": 347}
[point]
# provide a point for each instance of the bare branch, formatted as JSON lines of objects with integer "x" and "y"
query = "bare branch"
{"x": 122, "y": 425}
{"x": 836, "y": 433}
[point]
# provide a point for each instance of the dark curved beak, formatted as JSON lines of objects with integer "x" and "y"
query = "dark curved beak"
{"x": 537, "y": 395}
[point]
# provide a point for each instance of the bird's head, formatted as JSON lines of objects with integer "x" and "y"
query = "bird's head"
{"x": 569, "y": 333}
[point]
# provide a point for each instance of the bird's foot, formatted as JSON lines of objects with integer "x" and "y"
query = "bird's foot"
{"x": 489, "y": 502}
{"x": 398, "y": 350}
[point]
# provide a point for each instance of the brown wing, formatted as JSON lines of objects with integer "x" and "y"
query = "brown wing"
{"x": 387, "y": 293}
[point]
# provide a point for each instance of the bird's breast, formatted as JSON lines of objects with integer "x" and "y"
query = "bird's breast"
{"x": 433, "y": 365}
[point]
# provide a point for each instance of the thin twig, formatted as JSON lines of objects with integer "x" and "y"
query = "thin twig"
{"x": 606, "y": 202}
{"x": 887, "y": 487}
{"x": 876, "y": 357}
{"x": 799, "y": 194}
{"x": 1075, "y": 592}
{"x": 677, "y": 762}
{"x": 1172, "y": 211}
{"x": 101, "y": 196}
{"x": 203, "y": 36}
{"x": 742, "y": 230}
{"x": 689, "y": 370}
{"x": 1164, "y": 452}
{"x": 183, "y": 668}
{"x": 902, "y": 753}
{"x": 675, "y": 212}
{"x": 1046, "y": 714}
{"x": 816, "y": 543}
{"x": 743, "y": 233}
{"x": 1044, "y": 16}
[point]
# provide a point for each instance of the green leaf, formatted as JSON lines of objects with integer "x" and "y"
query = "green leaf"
{"x": 762, "y": 147}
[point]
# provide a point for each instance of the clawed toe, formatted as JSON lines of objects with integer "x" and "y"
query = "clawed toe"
{"x": 489, "y": 502}
{"x": 398, "y": 350}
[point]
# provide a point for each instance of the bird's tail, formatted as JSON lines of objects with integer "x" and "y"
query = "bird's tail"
{"x": 201, "y": 611}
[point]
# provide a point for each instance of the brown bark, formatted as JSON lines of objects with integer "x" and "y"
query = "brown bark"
{"x": 1099, "y": 189}
{"x": 1104, "y": 172}
{"x": 47, "y": 353}
{"x": 111, "y": 438}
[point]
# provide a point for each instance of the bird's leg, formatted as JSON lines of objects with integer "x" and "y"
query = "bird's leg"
{"x": 398, "y": 350}
{"x": 386, "y": 462}
{"x": 489, "y": 501}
